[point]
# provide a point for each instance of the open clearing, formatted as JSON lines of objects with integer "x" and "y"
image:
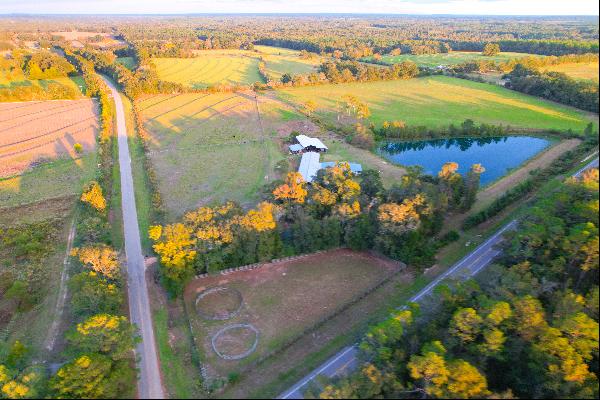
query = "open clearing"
{"x": 209, "y": 69}
{"x": 576, "y": 70}
{"x": 439, "y": 101}
{"x": 34, "y": 132}
{"x": 280, "y": 61}
{"x": 233, "y": 67}
{"x": 210, "y": 148}
{"x": 282, "y": 300}
{"x": 452, "y": 58}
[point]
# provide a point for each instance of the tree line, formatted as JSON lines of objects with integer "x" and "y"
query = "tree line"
{"x": 555, "y": 86}
{"x": 337, "y": 209}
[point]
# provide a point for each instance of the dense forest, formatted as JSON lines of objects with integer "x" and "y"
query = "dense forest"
{"x": 537, "y": 305}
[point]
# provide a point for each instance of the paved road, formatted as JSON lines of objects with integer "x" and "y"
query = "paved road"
{"x": 149, "y": 384}
{"x": 592, "y": 164}
{"x": 469, "y": 266}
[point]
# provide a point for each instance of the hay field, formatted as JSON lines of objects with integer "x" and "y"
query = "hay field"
{"x": 207, "y": 148}
{"x": 452, "y": 58}
{"x": 280, "y": 300}
{"x": 576, "y": 70}
{"x": 280, "y": 61}
{"x": 208, "y": 69}
{"x": 34, "y": 132}
{"x": 438, "y": 101}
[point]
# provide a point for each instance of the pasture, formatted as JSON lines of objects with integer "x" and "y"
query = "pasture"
{"x": 209, "y": 69}
{"x": 280, "y": 61}
{"x": 264, "y": 309}
{"x": 576, "y": 70}
{"x": 439, "y": 101}
{"x": 452, "y": 58}
{"x": 207, "y": 148}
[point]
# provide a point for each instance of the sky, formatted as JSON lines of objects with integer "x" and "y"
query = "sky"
{"x": 478, "y": 7}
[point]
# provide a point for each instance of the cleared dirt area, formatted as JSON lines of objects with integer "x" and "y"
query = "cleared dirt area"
{"x": 34, "y": 132}
{"x": 283, "y": 300}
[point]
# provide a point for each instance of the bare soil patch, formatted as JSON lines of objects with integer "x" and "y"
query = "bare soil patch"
{"x": 34, "y": 132}
{"x": 285, "y": 300}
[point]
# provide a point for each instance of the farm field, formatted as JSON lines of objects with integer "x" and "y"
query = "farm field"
{"x": 280, "y": 61}
{"x": 209, "y": 69}
{"x": 207, "y": 148}
{"x": 452, "y": 58}
{"x": 275, "y": 303}
{"x": 576, "y": 70}
{"x": 33, "y": 132}
{"x": 439, "y": 101}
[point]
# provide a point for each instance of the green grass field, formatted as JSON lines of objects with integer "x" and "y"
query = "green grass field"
{"x": 280, "y": 61}
{"x": 211, "y": 148}
{"x": 208, "y": 69}
{"x": 452, "y": 58}
{"x": 576, "y": 70}
{"x": 438, "y": 101}
{"x": 128, "y": 62}
{"x": 50, "y": 180}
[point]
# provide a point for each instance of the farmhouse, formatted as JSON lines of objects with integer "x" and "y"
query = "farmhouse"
{"x": 305, "y": 144}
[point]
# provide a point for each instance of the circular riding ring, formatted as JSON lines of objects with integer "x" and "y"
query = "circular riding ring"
{"x": 228, "y": 303}
{"x": 233, "y": 336}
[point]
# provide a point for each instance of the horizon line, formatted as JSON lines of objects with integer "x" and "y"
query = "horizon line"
{"x": 295, "y": 14}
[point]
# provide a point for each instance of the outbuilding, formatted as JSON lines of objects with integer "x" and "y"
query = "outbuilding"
{"x": 310, "y": 144}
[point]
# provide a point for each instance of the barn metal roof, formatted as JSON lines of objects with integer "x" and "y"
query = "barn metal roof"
{"x": 309, "y": 165}
{"x": 354, "y": 167}
{"x": 296, "y": 147}
{"x": 306, "y": 141}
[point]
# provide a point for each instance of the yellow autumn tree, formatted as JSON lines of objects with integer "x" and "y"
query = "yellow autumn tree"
{"x": 260, "y": 220}
{"x": 401, "y": 218}
{"x": 348, "y": 210}
{"x": 175, "y": 248}
{"x": 465, "y": 381}
{"x": 293, "y": 190}
{"x": 323, "y": 196}
{"x": 92, "y": 195}
{"x": 101, "y": 259}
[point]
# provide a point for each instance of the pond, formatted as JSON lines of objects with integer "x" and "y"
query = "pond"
{"x": 497, "y": 154}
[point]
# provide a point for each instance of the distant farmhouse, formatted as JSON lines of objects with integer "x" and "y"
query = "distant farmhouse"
{"x": 310, "y": 164}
